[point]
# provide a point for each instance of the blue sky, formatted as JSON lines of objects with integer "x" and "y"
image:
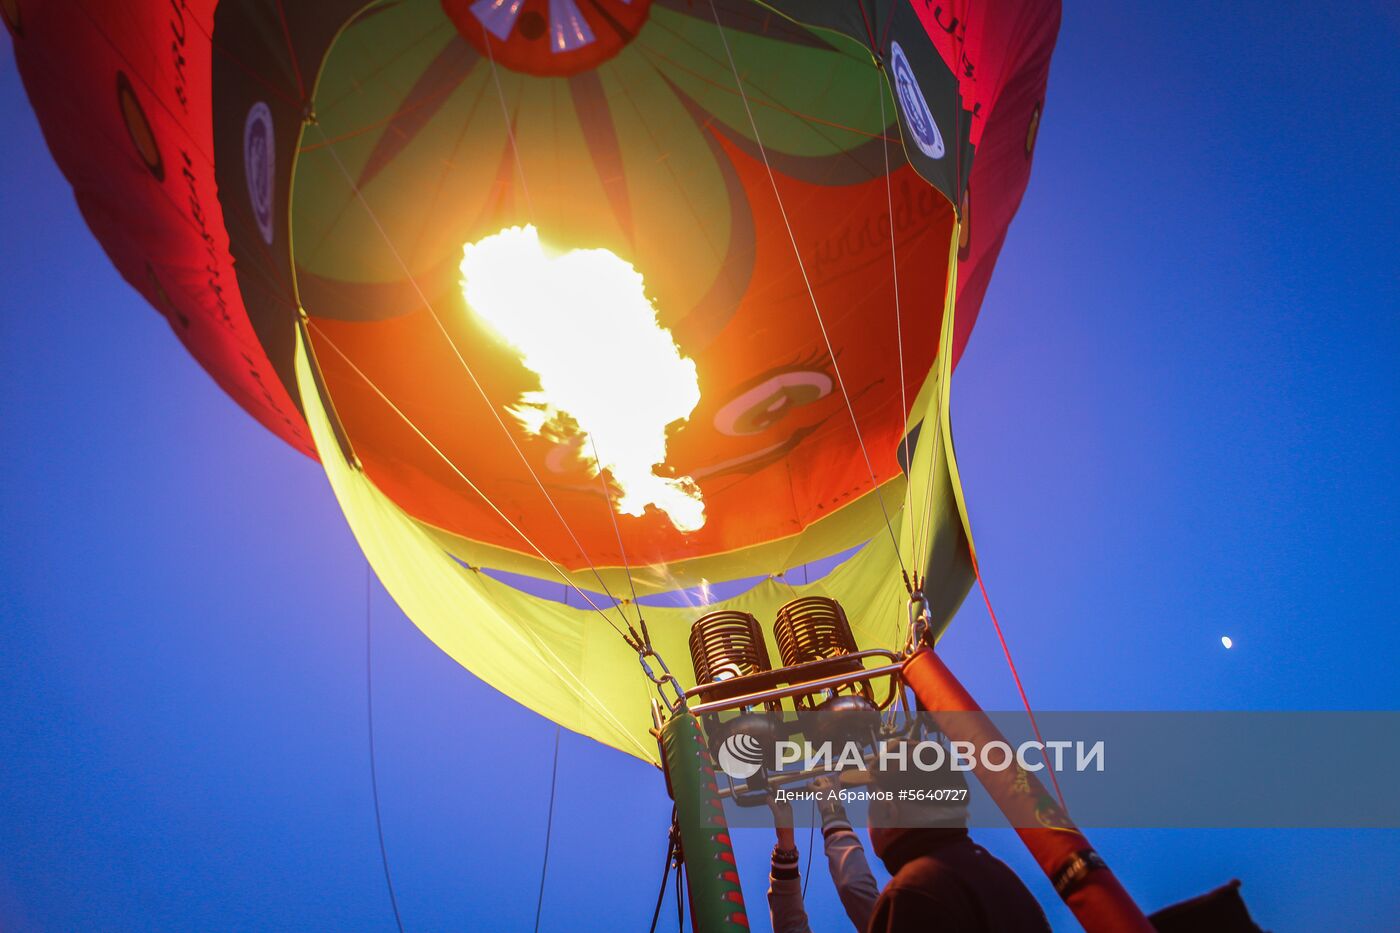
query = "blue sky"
{"x": 1176, "y": 421}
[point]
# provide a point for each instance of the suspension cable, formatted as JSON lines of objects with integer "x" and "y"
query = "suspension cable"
{"x": 811, "y": 294}
{"x": 540, "y": 647}
{"x": 680, "y": 900}
{"x": 811, "y": 834}
{"x": 471, "y": 374}
{"x": 1015, "y": 675}
{"x": 548, "y": 826}
{"x": 373, "y": 770}
{"x": 645, "y": 637}
{"x": 622, "y": 548}
{"x": 510, "y": 130}
{"x": 909, "y": 518}
{"x": 466, "y": 479}
{"x": 672, "y": 838}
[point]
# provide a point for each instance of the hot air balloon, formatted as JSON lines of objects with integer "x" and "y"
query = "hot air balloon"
{"x": 632, "y": 297}
{"x": 309, "y": 192}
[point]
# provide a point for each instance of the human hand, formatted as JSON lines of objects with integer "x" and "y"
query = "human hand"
{"x": 830, "y": 807}
{"x": 783, "y": 822}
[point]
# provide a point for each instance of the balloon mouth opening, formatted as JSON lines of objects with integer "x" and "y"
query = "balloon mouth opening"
{"x": 548, "y": 38}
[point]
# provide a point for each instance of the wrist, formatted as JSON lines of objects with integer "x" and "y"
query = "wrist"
{"x": 785, "y": 861}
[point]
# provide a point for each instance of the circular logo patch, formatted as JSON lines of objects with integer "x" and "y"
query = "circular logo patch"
{"x": 917, "y": 115}
{"x": 763, "y": 405}
{"x": 258, "y": 164}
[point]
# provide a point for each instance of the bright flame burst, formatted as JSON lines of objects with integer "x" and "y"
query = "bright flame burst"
{"x": 581, "y": 322}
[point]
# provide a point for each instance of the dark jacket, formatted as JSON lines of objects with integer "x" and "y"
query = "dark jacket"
{"x": 942, "y": 880}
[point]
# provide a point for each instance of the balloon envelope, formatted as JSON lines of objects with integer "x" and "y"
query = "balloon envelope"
{"x": 802, "y": 203}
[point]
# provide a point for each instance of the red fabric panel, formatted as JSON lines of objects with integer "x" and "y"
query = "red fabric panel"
{"x": 155, "y": 209}
{"x": 1001, "y": 54}
{"x": 143, "y": 177}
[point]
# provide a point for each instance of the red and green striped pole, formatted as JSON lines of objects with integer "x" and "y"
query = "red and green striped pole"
{"x": 712, "y": 877}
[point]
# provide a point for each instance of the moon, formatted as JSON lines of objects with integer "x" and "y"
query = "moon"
{"x": 1227, "y": 641}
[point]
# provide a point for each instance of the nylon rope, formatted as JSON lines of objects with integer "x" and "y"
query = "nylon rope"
{"x": 961, "y": 40}
{"x": 432, "y": 311}
{"x": 622, "y": 548}
{"x": 548, "y": 827}
{"x": 811, "y": 294}
{"x": 665, "y": 870}
{"x": 540, "y": 647}
{"x": 510, "y": 130}
{"x": 811, "y": 834}
{"x": 1006, "y": 650}
{"x": 680, "y": 900}
{"x": 466, "y": 479}
{"x": 530, "y": 209}
{"x": 910, "y": 518}
{"x": 373, "y": 769}
{"x": 292, "y": 52}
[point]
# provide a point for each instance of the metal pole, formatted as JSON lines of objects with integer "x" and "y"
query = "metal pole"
{"x": 1079, "y": 874}
{"x": 716, "y": 901}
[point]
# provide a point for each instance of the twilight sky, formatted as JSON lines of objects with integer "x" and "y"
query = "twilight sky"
{"x": 1176, "y": 421}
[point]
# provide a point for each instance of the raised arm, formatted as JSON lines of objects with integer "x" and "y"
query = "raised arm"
{"x": 845, "y": 857}
{"x": 785, "y": 907}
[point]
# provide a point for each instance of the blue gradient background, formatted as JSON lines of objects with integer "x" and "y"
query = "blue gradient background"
{"x": 1176, "y": 420}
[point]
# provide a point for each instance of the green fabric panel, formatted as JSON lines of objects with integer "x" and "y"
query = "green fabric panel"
{"x": 811, "y": 98}
{"x": 838, "y": 70}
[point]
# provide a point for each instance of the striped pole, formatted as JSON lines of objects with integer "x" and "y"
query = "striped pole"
{"x": 716, "y": 901}
{"x": 1079, "y": 874}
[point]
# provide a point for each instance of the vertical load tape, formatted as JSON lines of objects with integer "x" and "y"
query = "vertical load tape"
{"x": 716, "y": 901}
{"x": 1080, "y": 876}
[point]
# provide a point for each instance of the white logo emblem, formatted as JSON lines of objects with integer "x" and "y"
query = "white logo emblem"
{"x": 258, "y": 163}
{"x": 917, "y": 114}
{"x": 740, "y": 756}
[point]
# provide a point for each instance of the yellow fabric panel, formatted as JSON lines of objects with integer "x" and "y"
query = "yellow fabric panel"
{"x": 944, "y": 547}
